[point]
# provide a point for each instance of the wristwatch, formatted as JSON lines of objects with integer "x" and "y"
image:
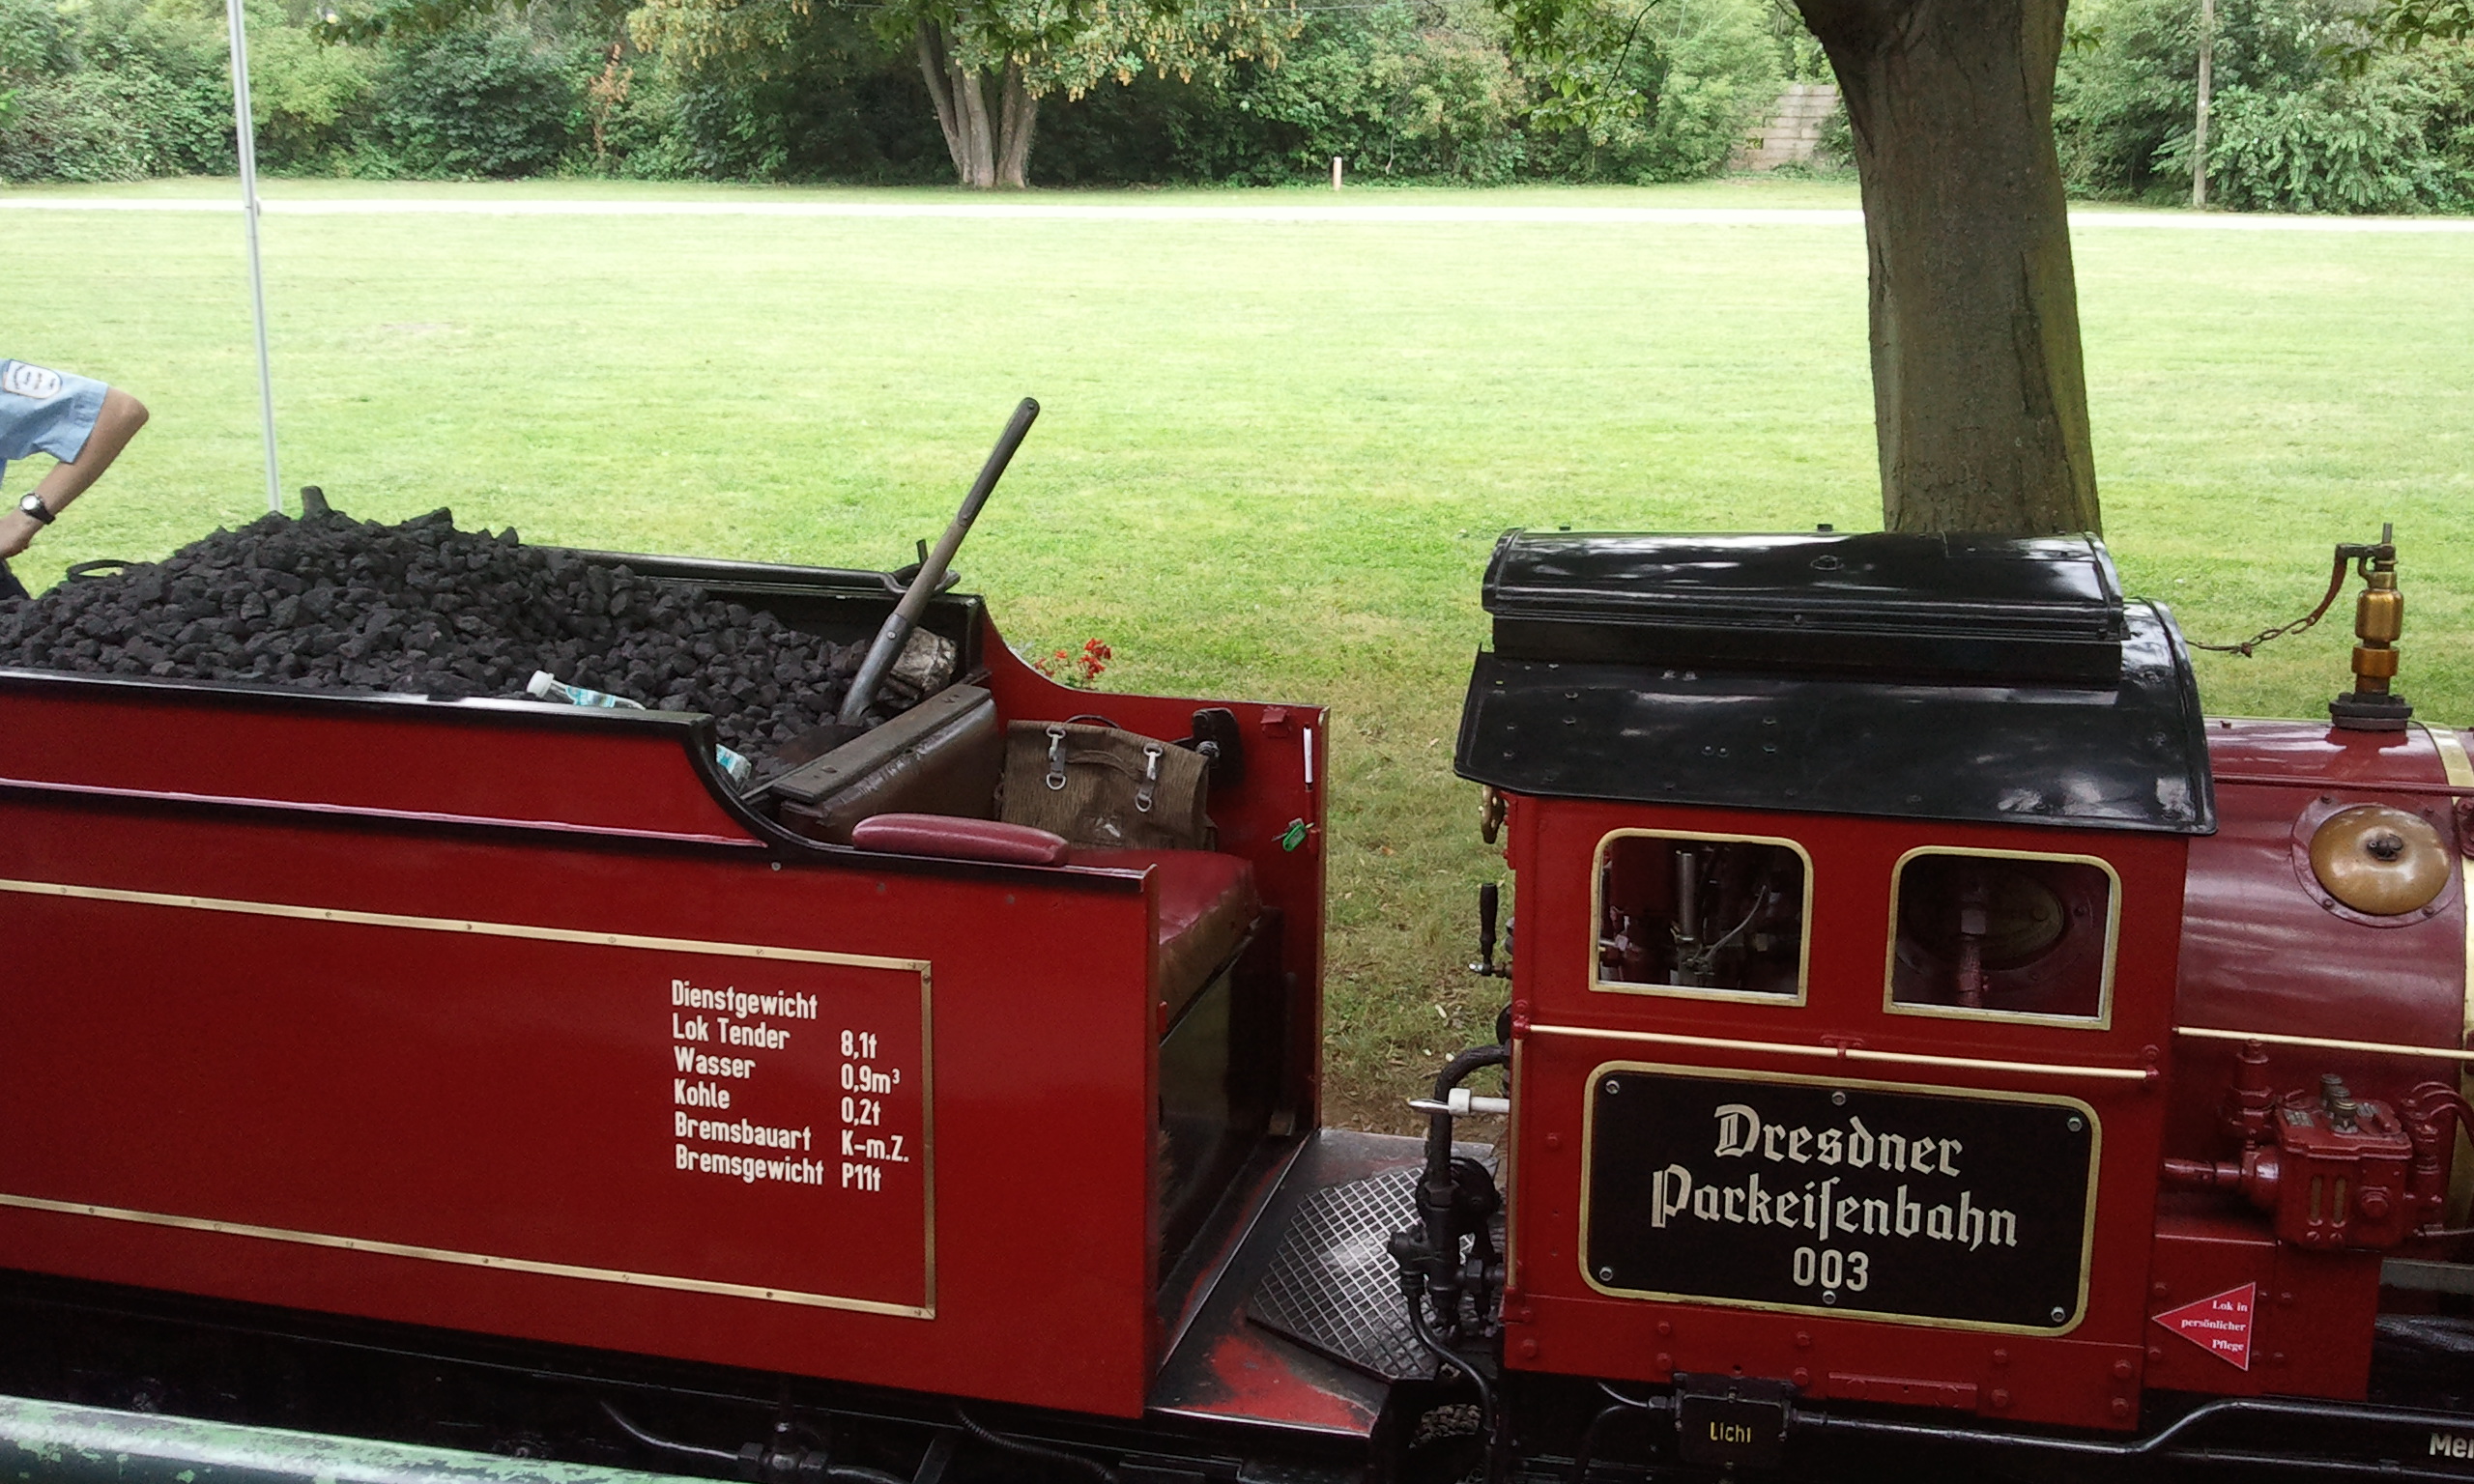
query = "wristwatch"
{"x": 33, "y": 509}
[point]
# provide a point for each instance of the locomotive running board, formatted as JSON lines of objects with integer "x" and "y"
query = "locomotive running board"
{"x": 2389, "y": 1443}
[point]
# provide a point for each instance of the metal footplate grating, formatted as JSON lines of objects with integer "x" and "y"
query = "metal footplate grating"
{"x": 1334, "y": 1288}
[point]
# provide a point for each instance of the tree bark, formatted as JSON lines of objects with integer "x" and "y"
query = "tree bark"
{"x": 1979, "y": 394}
{"x": 961, "y": 110}
{"x": 1021, "y": 112}
{"x": 932, "y": 66}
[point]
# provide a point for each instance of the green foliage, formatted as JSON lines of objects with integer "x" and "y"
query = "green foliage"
{"x": 1428, "y": 92}
{"x": 1696, "y": 75}
{"x": 791, "y": 90}
{"x": 825, "y": 103}
{"x": 1447, "y": 104}
{"x": 2353, "y": 145}
{"x": 2303, "y": 119}
{"x": 111, "y": 90}
{"x": 306, "y": 95}
{"x": 476, "y": 99}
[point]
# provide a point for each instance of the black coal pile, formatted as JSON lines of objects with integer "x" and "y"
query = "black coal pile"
{"x": 330, "y": 603}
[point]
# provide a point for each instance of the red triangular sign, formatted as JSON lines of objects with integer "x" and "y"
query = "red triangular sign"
{"x": 2220, "y": 1326}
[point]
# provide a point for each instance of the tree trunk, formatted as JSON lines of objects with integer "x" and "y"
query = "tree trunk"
{"x": 1014, "y": 131}
{"x": 1979, "y": 395}
{"x": 961, "y": 110}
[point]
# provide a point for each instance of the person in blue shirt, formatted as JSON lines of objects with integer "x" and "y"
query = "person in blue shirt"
{"x": 81, "y": 422}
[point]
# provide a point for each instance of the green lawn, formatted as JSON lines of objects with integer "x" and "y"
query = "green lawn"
{"x": 1274, "y": 455}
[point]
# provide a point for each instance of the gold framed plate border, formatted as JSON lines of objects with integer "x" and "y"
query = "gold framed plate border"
{"x": 2087, "y": 1222}
{"x": 926, "y": 1309}
{"x": 2102, "y": 1020}
{"x": 1804, "y": 926}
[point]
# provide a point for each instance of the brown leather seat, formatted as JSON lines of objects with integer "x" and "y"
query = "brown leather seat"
{"x": 1207, "y": 906}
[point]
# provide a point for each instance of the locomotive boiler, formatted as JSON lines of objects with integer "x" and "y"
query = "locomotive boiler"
{"x": 1923, "y": 1028}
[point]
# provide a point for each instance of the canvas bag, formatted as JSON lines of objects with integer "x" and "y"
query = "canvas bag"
{"x": 1098, "y": 785}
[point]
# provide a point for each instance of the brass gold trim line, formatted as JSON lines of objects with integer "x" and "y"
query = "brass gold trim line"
{"x": 1848, "y": 1053}
{"x": 373, "y": 811}
{"x": 459, "y": 925}
{"x": 469, "y": 1259}
{"x": 2322, "y": 1043}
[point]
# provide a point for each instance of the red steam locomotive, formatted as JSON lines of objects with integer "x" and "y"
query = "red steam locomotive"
{"x": 1924, "y": 1029}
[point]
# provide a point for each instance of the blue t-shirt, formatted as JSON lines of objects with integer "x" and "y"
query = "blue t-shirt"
{"x": 42, "y": 411}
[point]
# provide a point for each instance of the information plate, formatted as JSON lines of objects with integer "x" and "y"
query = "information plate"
{"x": 1959, "y": 1208}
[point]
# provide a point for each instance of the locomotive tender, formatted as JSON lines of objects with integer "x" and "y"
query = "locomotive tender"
{"x": 1923, "y": 1026}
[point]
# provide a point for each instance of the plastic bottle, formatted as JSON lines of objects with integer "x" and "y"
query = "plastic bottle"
{"x": 549, "y": 687}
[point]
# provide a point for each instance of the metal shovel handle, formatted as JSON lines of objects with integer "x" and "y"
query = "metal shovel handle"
{"x": 904, "y": 616}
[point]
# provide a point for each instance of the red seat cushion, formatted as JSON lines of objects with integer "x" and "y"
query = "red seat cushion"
{"x": 959, "y": 839}
{"x": 1207, "y": 902}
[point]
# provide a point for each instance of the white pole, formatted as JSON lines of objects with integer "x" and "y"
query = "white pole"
{"x": 2198, "y": 125}
{"x": 245, "y": 137}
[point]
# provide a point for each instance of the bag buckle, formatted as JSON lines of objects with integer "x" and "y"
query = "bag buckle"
{"x": 1057, "y": 757}
{"x": 1150, "y": 776}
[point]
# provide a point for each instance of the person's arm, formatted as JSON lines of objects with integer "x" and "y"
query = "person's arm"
{"x": 118, "y": 422}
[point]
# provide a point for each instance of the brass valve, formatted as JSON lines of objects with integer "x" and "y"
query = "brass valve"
{"x": 2379, "y": 620}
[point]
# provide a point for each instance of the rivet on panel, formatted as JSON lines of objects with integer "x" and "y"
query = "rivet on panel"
{"x": 2121, "y": 1407}
{"x": 2001, "y": 1356}
{"x": 1666, "y": 1363}
{"x": 2160, "y": 1290}
{"x": 1529, "y": 1346}
{"x": 1803, "y": 1339}
{"x": 1801, "y": 1378}
{"x": 2000, "y": 1399}
{"x": 1666, "y": 1327}
{"x": 2121, "y": 1370}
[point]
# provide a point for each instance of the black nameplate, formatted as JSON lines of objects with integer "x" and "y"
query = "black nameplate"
{"x": 1845, "y": 1198}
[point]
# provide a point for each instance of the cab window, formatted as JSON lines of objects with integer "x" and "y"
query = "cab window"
{"x": 2005, "y": 935}
{"x": 1703, "y": 915}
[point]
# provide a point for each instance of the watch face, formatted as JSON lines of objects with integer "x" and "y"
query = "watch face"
{"x": 33, "y": 506}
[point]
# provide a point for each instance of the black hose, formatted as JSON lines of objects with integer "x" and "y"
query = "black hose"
{"x": 1621, "y": 1406}
{"x": 851, "y": 1473}
{"x": 664, "y": 1444}
{"x": 1097, "y": 1470}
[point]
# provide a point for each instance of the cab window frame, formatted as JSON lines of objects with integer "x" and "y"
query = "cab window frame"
{"x": 2102, "y": 1020}
{"x": 1600, "y": 984}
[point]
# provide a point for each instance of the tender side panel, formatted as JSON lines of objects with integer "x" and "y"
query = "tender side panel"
{"x": 800, "y": 1116}
{"x": 519, "y": 761}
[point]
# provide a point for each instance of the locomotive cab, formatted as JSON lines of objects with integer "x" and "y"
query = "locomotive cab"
{"x": 1851, "y": 874}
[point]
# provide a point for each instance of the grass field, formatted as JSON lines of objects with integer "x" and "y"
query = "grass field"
{"x": 1274, "y": 455}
